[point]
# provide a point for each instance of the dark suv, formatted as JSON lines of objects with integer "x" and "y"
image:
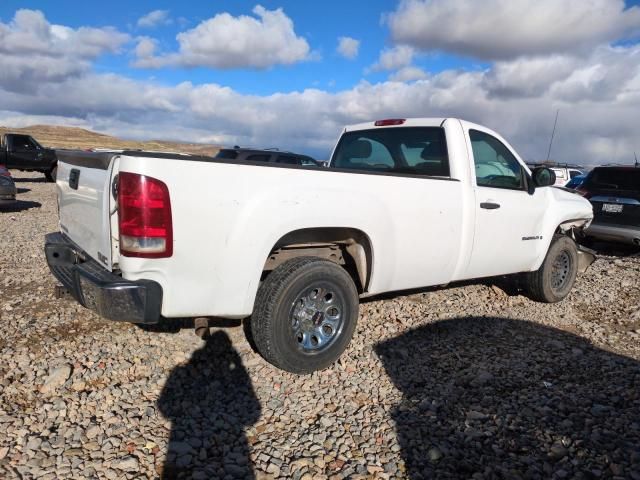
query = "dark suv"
{"x": 266, "y": 155}
{"x": 614, "y": 193}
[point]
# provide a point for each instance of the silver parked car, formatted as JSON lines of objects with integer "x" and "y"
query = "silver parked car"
{"x": 7, "y": 187}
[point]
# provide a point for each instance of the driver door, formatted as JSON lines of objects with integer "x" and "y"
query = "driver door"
{"x": 508, "y": 220}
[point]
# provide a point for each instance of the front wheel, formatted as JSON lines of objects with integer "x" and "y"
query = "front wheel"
{"x": 305, "y": 314}
{"x": 51, "y": 174}
{"x": 554, "y": 279}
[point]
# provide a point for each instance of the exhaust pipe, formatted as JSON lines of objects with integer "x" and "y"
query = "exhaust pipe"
{"x": 201, "y": 327}
{"x": 636, "y": 241}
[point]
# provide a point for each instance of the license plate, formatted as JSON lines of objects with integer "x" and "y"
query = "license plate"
{"x": 611, "y": 208}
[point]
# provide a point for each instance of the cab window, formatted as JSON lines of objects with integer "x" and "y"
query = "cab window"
{"x": 495, "y": 165}
{"x": 23, "y": 142}
{"x": 258, "y": 158}
{"x": 412, "y": 150}
{"x": 288, "y": 160}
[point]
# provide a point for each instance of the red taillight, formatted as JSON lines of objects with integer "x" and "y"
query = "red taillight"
{"x": 144, "y": 213}
{"x": 389, "y": 121}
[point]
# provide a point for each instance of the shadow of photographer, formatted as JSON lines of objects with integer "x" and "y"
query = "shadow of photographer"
{"x": 210, "y": 402}
{"x": 502, "y": 398}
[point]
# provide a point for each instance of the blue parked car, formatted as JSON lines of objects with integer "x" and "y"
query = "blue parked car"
{"x": 575, "y": 182}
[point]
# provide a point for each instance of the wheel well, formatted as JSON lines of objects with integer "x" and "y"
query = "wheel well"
{"x": 348, "y": 247}
{"x": 571, "y": 228}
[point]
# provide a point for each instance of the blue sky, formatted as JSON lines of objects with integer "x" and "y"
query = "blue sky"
{"x": 270, "y": 73}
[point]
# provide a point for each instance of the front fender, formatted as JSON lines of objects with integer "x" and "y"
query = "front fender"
{"x": 566, "y": 211}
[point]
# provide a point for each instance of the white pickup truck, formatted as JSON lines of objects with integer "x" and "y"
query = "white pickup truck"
{"x": 404, "y": 204}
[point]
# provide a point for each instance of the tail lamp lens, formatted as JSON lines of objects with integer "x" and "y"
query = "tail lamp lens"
{"x": 389, "y": 121}
{"x": 144, "y": 212}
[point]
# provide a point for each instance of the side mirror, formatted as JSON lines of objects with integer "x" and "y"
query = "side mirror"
{"x": 543, "y": 177}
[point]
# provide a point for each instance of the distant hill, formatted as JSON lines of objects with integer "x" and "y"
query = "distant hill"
{"x": 81, "y": 139}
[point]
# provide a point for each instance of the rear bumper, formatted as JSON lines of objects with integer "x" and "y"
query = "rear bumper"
{"x": 614, "y": 233}
{"x": 7, "y": 194}
{"x": 97, "y": 289}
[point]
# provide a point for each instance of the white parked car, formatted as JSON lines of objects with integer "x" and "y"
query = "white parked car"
{"x": 404, "y": 204}
{"x": 565, "y": 174}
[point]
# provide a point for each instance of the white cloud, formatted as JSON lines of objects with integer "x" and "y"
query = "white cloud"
{"x": 154, "y": 19}
{"x": 408, "y": 74}
{"x": 34, "y": 51}
{"x": 394, "y": 58}
{"x": 528, "y": 77}
{"x": 30, "y": 33}
{"x": 598, "y": 95}
{"x": 145, "y": 48}
{"x": 505, "y": 29}
{"x": 225, "y": 41}
{"x": 348, "y": 47}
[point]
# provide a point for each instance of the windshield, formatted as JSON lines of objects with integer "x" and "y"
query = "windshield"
{"x": 413, "y": 150}
{"x": 615, "y": 179}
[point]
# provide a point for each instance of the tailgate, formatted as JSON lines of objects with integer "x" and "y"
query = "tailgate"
{"x": 615, "y": 195}
{"x": 84, "y": 200}
{"x": 617, "y": 209}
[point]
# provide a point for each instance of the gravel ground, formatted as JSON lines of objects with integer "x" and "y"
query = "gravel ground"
{"x": 472, "y": 381}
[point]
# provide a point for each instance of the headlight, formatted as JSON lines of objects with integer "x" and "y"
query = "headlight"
{"x": 5, "y": 181}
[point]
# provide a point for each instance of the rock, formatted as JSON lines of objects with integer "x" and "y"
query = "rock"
{"x": 483, "y": 377}
{"x": 273, "y": 469}
{"x": 556, "y": 344}
{"x": 557, "y": 452}
{"x": 92, "y": 432}
{"x": 70, "y": 452}
{"x": 56, "y": 378}
{"x": 184, "y": 461}
{"x": 599, "y": 410}
{"x": 473, "y": 415}
{"x": 127, "y": 464}
{"x": 326, "y": 422}
{"x": 34, "y": 443}
{"x": 180, "y": 448}
{"x": 434, "y": 454}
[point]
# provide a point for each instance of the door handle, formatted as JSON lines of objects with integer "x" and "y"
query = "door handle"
{"x": 74, "y": 178}
{"x": 489, "y": 205}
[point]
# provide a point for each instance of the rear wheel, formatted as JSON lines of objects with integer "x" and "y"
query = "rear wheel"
{"x": 305, "y": 314}
{"x": 554, "y": 279}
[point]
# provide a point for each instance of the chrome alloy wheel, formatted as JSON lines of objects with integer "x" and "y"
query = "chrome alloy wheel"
{"x": 317, "y": 317}
{"x": 561, "y": 270}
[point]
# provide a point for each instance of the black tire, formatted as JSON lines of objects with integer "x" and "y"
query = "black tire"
{"x": 553, "y": 281}
{"x": 302, "y": 299}
{"x": 52, "y": 174}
